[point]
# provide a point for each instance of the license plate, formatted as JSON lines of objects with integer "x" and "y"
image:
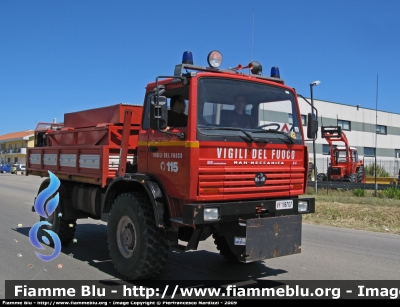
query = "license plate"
{"x": 240, "y": 241}
{"x": 284, "y": 204}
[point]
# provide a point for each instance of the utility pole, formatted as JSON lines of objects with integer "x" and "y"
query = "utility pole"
{"x": 315, "y": 83}
{"x": 376, "y": 130}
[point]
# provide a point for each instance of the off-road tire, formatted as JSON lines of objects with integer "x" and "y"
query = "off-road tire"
{"x": 310, "y": 169}
{"x": 65, "y": 229}
{"x": 353, "y": 178}
{"x": 150, "y": 250}
{"x": 223, "y": 247}
{"x": 360, "y": 174}
{"x": 321, "y": 177}
{"x": 60, "y": 226}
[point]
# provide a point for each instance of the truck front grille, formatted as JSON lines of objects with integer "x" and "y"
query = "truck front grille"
{"x": 234, "y": 183}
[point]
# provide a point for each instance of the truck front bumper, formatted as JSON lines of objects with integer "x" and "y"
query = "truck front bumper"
{"x": 255, "y": 230}
{"x": 244, "y": 210}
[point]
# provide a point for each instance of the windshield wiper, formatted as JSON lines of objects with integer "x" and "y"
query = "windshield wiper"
{"x": 231, "y": 129}
{"x": 275, "y": 131}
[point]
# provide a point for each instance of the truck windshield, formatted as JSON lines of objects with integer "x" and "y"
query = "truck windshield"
{"x": 233, "y": 108}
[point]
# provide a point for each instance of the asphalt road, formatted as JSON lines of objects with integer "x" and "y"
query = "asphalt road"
{"x": 328, "y": 253}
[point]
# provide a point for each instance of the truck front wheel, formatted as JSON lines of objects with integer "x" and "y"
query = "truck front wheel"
{"x": 137, "y": 247}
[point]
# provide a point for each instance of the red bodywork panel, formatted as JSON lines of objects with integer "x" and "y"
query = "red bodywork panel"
{"x": 113, "y": 115}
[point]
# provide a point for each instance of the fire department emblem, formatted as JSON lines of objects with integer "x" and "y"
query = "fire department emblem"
{"x": 259, "y": 179}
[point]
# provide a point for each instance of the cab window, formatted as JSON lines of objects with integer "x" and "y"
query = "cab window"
{"x": 169, "y": 93}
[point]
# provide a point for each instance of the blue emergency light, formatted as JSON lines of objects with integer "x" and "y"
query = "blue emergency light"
{"x": 187, "y": 58}
{"x": 275, "y": 72}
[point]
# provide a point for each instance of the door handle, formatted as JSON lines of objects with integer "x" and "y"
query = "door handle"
{"x": 152, "y": 149}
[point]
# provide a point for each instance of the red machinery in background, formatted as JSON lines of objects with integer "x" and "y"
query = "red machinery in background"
{"x": 344, "y": 162}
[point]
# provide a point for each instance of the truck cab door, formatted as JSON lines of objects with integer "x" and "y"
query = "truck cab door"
{"x": 143, "y": 137}
{"x": 168, "y": 160}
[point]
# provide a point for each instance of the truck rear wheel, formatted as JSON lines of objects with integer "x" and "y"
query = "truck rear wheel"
{"x": 224, "y": 248}
{"x": 137, "y": 247}
{"x": 65, "y": 229}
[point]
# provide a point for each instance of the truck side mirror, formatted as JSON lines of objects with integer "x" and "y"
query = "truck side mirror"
{"x": 158, "y": 112}
{"x": 312, "y": 126}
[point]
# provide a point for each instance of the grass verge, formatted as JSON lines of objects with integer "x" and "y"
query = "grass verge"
{"x": 342, "y": 208}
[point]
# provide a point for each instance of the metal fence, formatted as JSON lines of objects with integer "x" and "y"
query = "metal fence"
{"x": 391, "y": 166}
{"x": 332, "y": 185}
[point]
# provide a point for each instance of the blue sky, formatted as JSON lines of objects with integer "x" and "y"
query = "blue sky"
{"x": 63, "y": 56}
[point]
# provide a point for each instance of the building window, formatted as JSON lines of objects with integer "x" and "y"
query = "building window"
{"x": 344, "y": 124}
{"x": 397, "y": 153}
{"x": 369, "y": 151}
{"x": 381, "y": 129}
{"x": 15, "y": 160}
{"x": 303, "y": 119}
{"x": 326, "y": 149}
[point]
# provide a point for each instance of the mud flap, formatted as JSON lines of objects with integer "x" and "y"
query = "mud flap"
{"x": 272, "y": 237}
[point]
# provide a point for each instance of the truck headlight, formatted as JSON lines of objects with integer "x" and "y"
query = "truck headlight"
{"x": 302, "y": 206}
{"x": 211, "y": 214}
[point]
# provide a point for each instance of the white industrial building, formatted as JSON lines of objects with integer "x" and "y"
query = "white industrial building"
{"x": 365, "y": 129}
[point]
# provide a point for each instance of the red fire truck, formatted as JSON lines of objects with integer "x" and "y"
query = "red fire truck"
{"x": 159, "y": 185}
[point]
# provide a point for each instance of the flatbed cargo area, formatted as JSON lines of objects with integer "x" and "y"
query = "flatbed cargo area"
{"x": 83, "y": 153}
